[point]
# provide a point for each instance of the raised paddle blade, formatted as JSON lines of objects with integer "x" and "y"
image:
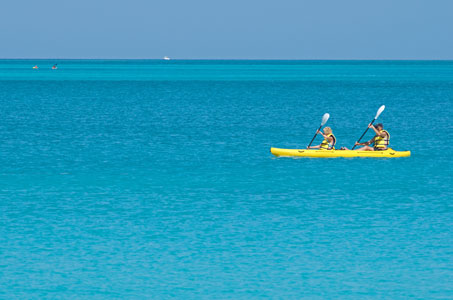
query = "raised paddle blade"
{"x": 380, "y": 110}
{"x": 325, "y": 118}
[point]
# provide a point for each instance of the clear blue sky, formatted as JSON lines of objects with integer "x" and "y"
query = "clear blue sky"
{"x": 249, "y": 29}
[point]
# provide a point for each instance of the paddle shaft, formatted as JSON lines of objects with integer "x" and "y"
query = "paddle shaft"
{"x": 364, "y": 133}
{"x": 314, "y": 136}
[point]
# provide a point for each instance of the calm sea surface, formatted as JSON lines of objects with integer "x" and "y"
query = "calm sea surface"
{"x": 153, "y": 180}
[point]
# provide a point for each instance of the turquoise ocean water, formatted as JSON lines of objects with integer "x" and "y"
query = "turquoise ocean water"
{"x": 153, "y": 180}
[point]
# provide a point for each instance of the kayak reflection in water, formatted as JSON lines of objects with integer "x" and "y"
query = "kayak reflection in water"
{"x": 329, "y": 140}
{"x": 380, "y": 140}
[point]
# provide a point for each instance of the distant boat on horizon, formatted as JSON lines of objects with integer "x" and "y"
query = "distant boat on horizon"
{"x": 166, "y": 58}
{"x": 54, "y": 67}
{"x": 35, "y": 67}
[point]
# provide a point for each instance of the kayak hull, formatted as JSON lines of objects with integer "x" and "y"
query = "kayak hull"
{"x": 338, "y": 153}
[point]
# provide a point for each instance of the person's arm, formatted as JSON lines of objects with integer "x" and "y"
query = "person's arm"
{"x": 366, "y": 143}
{"x": 381, "y": 134}
{"x": 329, "y": 138}
{"x": 374, "y": 128}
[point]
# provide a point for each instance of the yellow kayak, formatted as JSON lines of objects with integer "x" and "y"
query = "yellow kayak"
{"x": 338, "y": 153}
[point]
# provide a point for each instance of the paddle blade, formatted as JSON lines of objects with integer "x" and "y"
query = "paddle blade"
{"x": 325, "y": 118}
{"x": 380, "y": 110}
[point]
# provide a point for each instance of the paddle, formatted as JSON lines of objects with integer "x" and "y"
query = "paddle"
{"x": 380, "y": 110}
{"x": 324, "y": 121}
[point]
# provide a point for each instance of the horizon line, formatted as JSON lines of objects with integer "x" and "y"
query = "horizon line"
{"x": 243, "y": 59}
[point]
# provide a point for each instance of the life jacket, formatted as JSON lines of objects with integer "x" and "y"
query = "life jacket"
{"x": 381, "y": 143}
{"x": 328, "y": 146}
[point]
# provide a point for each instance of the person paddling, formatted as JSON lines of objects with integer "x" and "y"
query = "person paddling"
{"x": 329, "y": 140}
{"x": 380, "y": 140}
